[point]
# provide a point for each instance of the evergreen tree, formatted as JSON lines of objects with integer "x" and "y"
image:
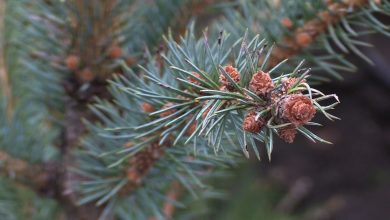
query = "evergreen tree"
{"x": 126, "y": 109}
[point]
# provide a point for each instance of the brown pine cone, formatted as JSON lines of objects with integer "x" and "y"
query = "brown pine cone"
{"x": 147, "y": 107}
{"x": 86, "y": 75}
{"x": 296, "y": 108}
{"x": 114, "y": 52}
{"x": 288, "y": 133}
{"x": 303, "y": 39}
{"x": 261, "y": 83}
{"x": 233, "y": 73}
{"x": 287, "y": 23}
{"x": 250, "y": 124}
{"x": 130, "y": 61}
{"x": 72, "y": 62}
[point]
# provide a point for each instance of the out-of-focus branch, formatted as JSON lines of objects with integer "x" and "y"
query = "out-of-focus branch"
{"x": 173, "y": 194}
{"x": 4, "y": 81}
{"x": 194, "y": 8}
{"x": 30, "y": 174}
{"x": 141, "y": 164}
{"x": 307, "y": 33}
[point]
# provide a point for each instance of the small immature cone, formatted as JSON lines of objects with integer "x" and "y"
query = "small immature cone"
{"x": 325, "y": 16}
{"x": 169, "y": 112}
{"x": 288, "y": 133}
{"x": 286, "y": 22}
{"x": 147, "y": 107}
{"x": 72, "y": 62}
{"x": 250, "y": 124}
{"x": 261, "y": 83}
{"x": 133, "y": 176}
{"x": 130, "y": 61}
{"x": 114, "y": 52}
{"x": 86, "y": 75}
{"x": 303, "y": 39}
{"x": 296, "y": 108}
{"x": 233, "y": 73}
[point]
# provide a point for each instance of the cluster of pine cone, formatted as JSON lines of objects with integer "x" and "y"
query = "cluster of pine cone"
{"x": 285, "y": 107}
{"x": 292, "y": 108}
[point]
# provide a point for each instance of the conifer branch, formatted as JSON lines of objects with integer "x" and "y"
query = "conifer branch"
{"x": 321, "y": 32}
{"x": 167, "y": 126}
{"x": 198, "y": 100}
{"x": 35, "y": 176}
{"x": 308, "y": 32}
{"x": 141, "y": 164}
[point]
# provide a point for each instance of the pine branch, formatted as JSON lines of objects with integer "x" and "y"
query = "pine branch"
{"x": 153, "y": 19}
{"x": 308, "y": 32}
{"x": 177, "y": 119}
{"x": 324, "y": 33}
{"x": 196, "y": 100}
{"x": 43, "y": 63}
{"x": 39, "y": 60}
{"x": 141, "y": 164}
{"x": 94, "y": 41}
{"x": 30, "y": 125}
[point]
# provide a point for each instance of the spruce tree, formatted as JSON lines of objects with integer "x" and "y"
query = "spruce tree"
{"x": 132, "y": 109}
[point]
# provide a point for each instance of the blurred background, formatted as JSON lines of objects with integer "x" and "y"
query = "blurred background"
{"x": 348, "y": 180}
